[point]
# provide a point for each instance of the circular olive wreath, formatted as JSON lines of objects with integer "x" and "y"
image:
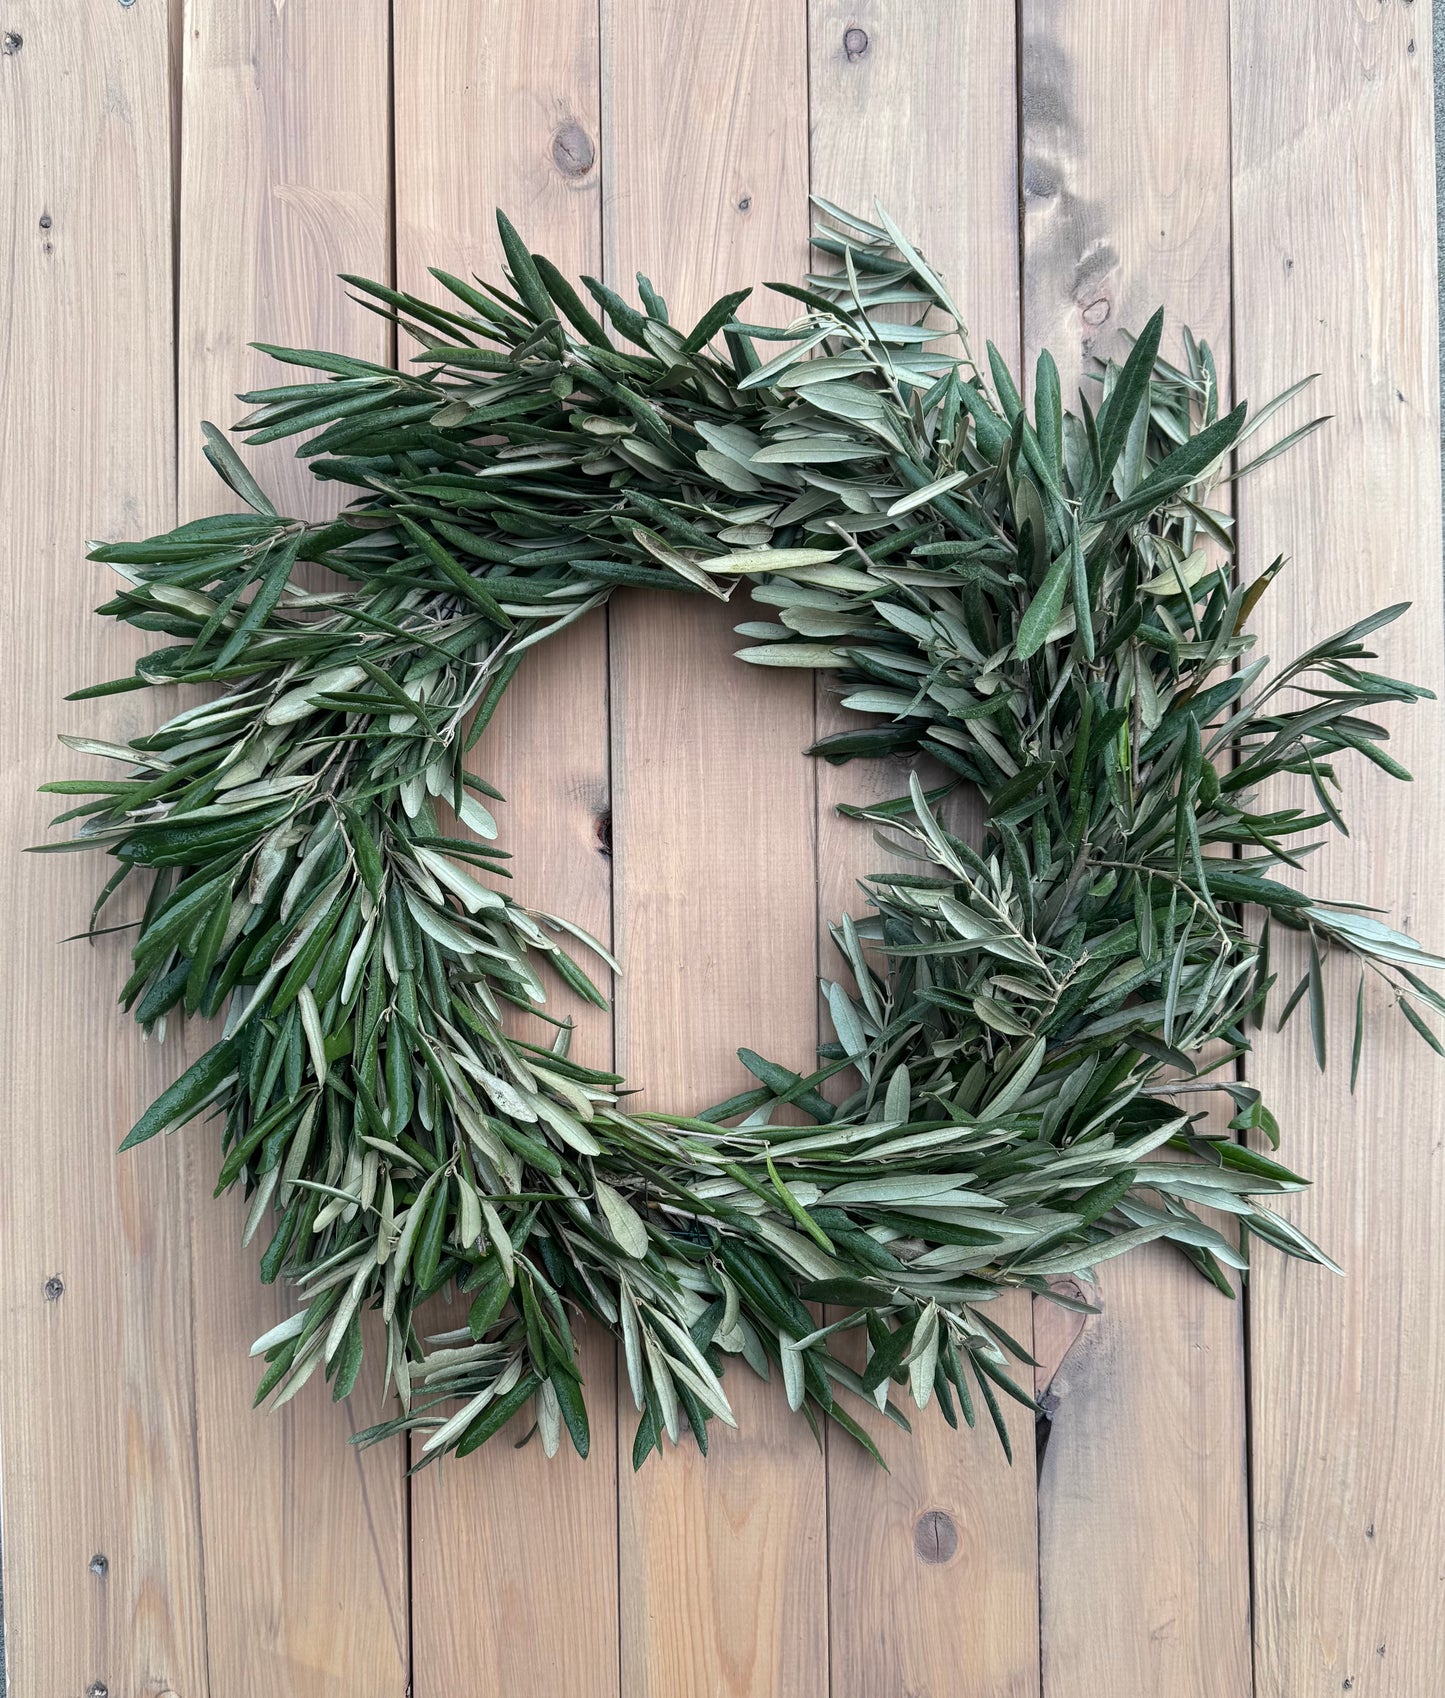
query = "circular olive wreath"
{"x": 1043, "y": 605}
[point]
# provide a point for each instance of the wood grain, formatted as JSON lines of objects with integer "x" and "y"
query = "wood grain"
{"x": 1335, "y": 272}
{"x": 1126, "y": 207}
{"x": 515, "y": 1557}
{"x": 914, "y": 103}
{"x": 101, "y": 1510}
{"x": 706, "y": 179}
{"x": 1238, "y": 160}
{"x": 283, "y": 185}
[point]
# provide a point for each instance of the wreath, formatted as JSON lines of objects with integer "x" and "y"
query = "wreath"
{"x": 1029, "y": 1028}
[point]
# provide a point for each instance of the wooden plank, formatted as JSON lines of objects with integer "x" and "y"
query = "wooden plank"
{"x": 284, "y": 184}
{"x": 495, "y": 1579}
{"x": 102, "y": 1545}
{"x": 1335, "y": 273}
{"x": 1126, "y": 207}
{"x": 706, "y": 169}
{"x": 932, "y": 1566}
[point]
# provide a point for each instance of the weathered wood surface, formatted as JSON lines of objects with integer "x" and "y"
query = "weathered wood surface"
{"x": 182, "y": 178}
{"x": 962, "y": 1612}
{"x": 102, "y": 1529}
{"x": 283, "y": 184}
{"x": 1125, "y": 208}
{"x": 705, "y": 174}
{"x": 1335, "y": 272}
{"x": 508, "y": 1599}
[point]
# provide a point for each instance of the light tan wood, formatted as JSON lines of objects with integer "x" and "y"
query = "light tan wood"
{"x": 914, "y": 103}
{"x": 706, "y": 169}
{"x": 101, "y": 1512}
{"x": 1335, "y": 272}
{"x": 1126, "y": 208}
{"x": 514, "y": 1558}
{"x": 283, "y": 184}
{"x": 254, "y": 1554}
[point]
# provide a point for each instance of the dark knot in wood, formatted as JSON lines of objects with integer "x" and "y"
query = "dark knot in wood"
{"x": 935, "y": 1538}
{"x": 572, "y": 151}
{"x": 855, "y": 43}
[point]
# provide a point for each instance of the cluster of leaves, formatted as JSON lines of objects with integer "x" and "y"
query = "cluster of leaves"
{"x": 1044, "y": 605}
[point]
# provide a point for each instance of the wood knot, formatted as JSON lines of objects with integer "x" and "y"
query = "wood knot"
{"x": 1096, "y": 312}
{"x": 572, "y": 151}
{"x": 745, "y": 203}
{"x": 1040, "y": 180}
{"x": 98, "y": 1688}
{"x": 46, "y": 220}
{"x": 855, "y": 43}
{"x": 11, "y": 42}
{"x": 99, "y": 1565}
{"x": 935, "y": 1538}
{"x": 602, "y": 832}
{"x": 54, "y": 1288}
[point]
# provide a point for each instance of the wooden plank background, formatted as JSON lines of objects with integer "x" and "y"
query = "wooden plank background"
{"x": 1228, "y": 1499}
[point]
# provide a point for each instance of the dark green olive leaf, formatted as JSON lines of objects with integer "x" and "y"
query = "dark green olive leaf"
{"x": 1129, "y": 398}
{"x": 1043, "y": 610}
{"x": 196, "y": 1087}
{"x": 229, "y": 467}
